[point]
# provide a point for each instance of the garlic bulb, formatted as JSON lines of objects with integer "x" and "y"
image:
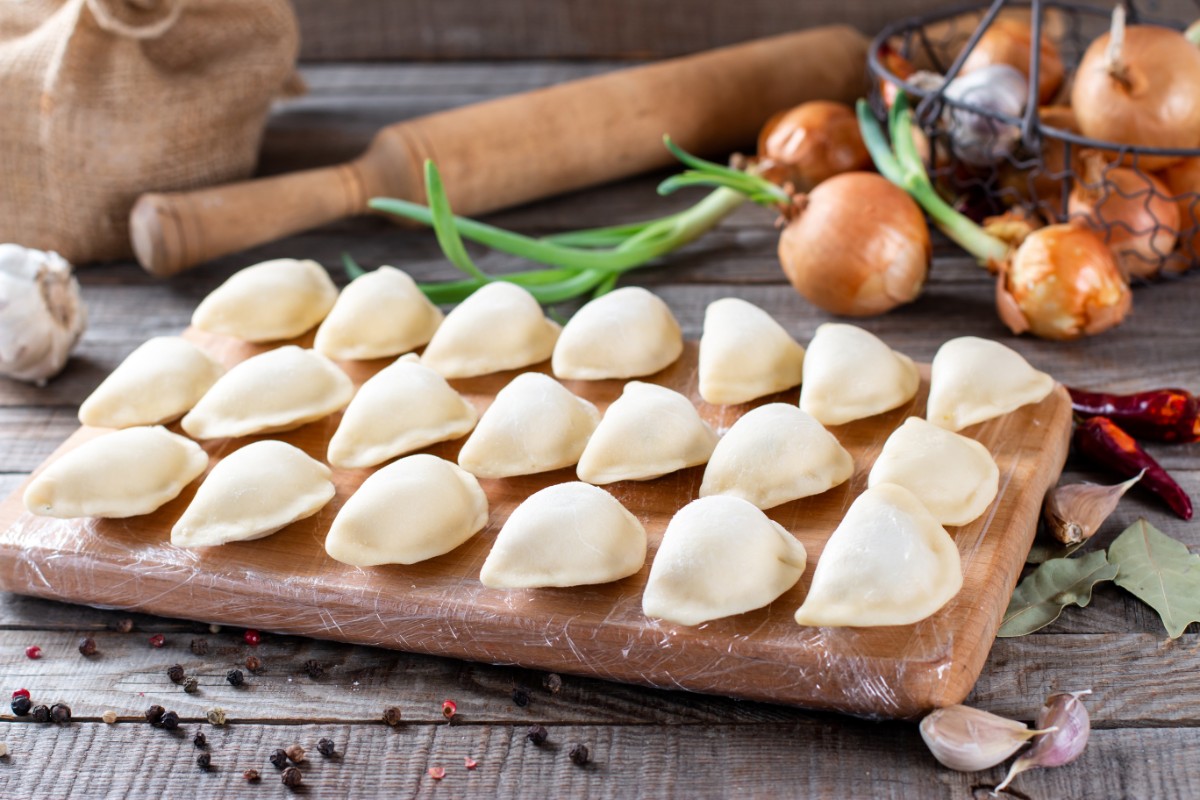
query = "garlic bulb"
{"x": 41, "y": 313}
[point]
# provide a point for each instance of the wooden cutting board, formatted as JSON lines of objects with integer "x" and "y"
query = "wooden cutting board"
{"x": 286, "y": 583}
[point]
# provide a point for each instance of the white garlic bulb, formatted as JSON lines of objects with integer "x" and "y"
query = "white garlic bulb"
{"x": 41, "y": 313}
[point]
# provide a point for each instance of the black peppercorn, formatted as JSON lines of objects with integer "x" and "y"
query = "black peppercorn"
{"x": 191, "y": 686}
{"x": 175, "y": 673}
{"x": 314, "y": 669}
{"x": 235, "y": 677}
{"x": 579, "y": 755}
{"x": 170, "y": 720}
{"x": 154, "y": 714}
{"x": 204, "y": 761}
{"x": 21, "y": 705}
{"x": 279, "y": 759}
{"x": 254, "y": 664}
{"x": 292, "y": 777}
{"x": 251, "y": 775}
{"x": 520, "y": 696}
{"x": 325, "y": 747}
{"x": 552, "y": 683}
{"x": 199, "y": 646}
{"x": 391, "y": 715}
{"x": 60, "y": 713}
{"x": 87, "y": 646}
{"x": 123, "y": 625}
{"x": 537, "y": 734}
{"x": 200, "y": 740}
{"x": 40, "y": 713}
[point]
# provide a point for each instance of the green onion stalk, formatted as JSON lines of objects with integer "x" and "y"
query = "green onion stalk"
{"x": 585, "y": 262}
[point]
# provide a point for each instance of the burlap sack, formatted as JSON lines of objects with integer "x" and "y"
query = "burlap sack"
{"x": 101, "y": 100}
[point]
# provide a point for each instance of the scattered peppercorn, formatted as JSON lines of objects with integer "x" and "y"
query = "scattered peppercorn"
{"x": 235, "y": 677}
{"x": 109, "y": 716}
{"x": 204, "y": 761}
{"x": 40, "y": 713}
{"x": 315, "y": 669}
{"x": 254, "y": 664}
{"x": 295, "y": 753}
{"x": 552, "y": 683}
{"x": 251, "y": 775}
{"x": 123, "y": 625}
{"x": 33, "y": 651}
{"x": 20, "y": 693}
{"x": 520, "y": 696}
{"x": 579, "y": 755}
{"x": 216, "y": 716}
{"x": 21, "y": 704}
{"x": 469, "y": 762}
{"x": 154, "y": 714}
{"x": 60, "y": 713}
{"x": 278, "y": 759}
{"x": 437, "y": 773}
{"x": 199, "y": 646}
{"x": 191, "y": 686}
{"x": 175, "y": 673}
{"x": 87, "y": 646}
{"x": 200, "y": 740}
{"x": 537, "y": 734}
{"x": 170, "y": 720}
{"x": 391, "y": 715}
{"x": 449, "y": 709}
{"x": 158, "y": 640}
{"x": 325, "y": 747}
{"x": 214, "y": 628}
{"x": 292, "y": 777}
{"x": 252, "y": 637}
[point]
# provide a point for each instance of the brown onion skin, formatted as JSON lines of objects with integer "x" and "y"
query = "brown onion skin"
{"x": 1066, "y": 282}
{"x": 1183, "y": 179}
{"x": 859, "y": 247}
{"x": 814, "y": 141}
{"x": 1141, "y": 201}
{"x": 1161, "y": 105}
{"x": 1010, "y": 41}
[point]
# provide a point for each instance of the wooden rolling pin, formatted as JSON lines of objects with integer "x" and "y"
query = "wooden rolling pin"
{"x": 520, "y": 148}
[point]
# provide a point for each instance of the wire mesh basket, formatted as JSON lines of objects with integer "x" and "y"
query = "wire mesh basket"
{"x": 1038, "y": 163}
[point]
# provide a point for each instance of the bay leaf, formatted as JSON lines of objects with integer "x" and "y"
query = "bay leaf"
{"x": 1040, "y": 598}
{"x": 1045, "y": 548}
{"x": 1159, "y": 571}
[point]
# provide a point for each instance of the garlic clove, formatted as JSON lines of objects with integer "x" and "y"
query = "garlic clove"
{"x": 1074, "y": 512}
{"x": 968, "y": 739}
{"x": 1067, "y": 726}
{"x": 41, "y": 313}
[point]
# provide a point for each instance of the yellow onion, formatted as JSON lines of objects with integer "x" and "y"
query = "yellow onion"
{"x": 1063, "y": 282}
{"x": 1043, "y": 189}
{"x": 858, "y": 246}
{"x": 1140, "y": 86}
{"x": 1183, "y": 181}
{"x": 1010, "y": 41}
{"x": 1131, "y": 210}
{"x": 811, "y": 142}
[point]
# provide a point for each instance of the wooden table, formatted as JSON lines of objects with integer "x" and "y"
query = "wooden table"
{"x": 1145, "y": 704}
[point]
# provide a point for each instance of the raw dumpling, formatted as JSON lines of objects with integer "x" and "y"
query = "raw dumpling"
{"x": 254, "y": 492}
{"x": 121, "y": 474}
{"x": 888, "y": 563}
{"x": 720, "y": 556}
{"x": 955, "y": 477}
{"x": 850, "y": 374}
{"x": 572, "y": 534}
{"x": 975, "y": 379}
{"x": 274, "y": 300}
{"x": 745, "y": 354}
{"x": 158, "y": 382}
{"x": 623, "y": 334}
{"x": 403, "y": 408}
{"x": 274, "y": 391}
{"x": 411, "y": 510}
{"x": 647, "y": 432}
{"x": 534, "y": 425}
{"x": 499, "y": 327}
{"x": 379, "y": 314}
{"x": 774, "y": 454}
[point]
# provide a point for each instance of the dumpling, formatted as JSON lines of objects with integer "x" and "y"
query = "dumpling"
{"x": 254, "y": 492}
{"x": 647, "y": 432}
{"x": 774, "y": 454}
{"x": 720, "y": 556}
{"x": 158, "y": 382}
{"x": 405, "y": 407}
{"x": 888, "y": 563}
{"x": 274, "y": 300}
{"x": 571, "y": 534}
{"x": 956, "y": 478}
{"x": 534, "y": 425}
{"x": 120, "y": 474}
{"x": 499, "y": 327}
{"x": 274, "y": 391}
{"x": 745, "y": 354}
{"x": 975, "y": 379}
{"x": 850, "y": 374}
{"x": 379, "y": 314}
{"x": 623, "y": 334}
{"x": 411, "y": 510}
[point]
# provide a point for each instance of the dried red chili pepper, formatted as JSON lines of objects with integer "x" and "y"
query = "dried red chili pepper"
{"x": 1101, "y": 440}
{"x": 1165, "y": 415}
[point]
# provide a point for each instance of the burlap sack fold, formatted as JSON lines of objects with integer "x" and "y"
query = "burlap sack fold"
{"x": 101, "y": 100}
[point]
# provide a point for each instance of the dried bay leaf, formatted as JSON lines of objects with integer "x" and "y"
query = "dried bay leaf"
{"x": 1044, "y": 548}
{"x": 1044, "y": 593}
{"x": 1159, "y": 571}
